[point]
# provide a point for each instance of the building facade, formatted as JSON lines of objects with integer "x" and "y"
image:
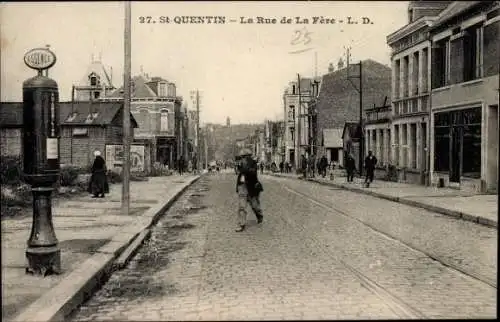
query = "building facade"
{"x": 465, "y": 84}
{"x": 378, "y": 133}
{"x": 410, "y": 81}
{"x": 338, "y": 105}
{"x": 295, "y": 117}
{"x": 157, "y": 110}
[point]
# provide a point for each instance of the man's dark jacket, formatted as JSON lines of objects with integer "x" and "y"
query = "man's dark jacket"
{"x": 370, "y": 163}
{"x": 350, "y": 164}
{"x": 251, "y": 178}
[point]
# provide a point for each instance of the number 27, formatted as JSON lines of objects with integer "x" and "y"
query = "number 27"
{"x": 145, "y": 19}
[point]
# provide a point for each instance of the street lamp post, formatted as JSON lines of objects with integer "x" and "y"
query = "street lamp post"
{"x": 40, "y": 145}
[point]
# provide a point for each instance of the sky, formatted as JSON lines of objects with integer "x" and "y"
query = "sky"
{"x": 240, "y": 69}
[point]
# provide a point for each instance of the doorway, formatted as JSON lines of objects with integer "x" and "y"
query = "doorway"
{"x": 456, "y": 153}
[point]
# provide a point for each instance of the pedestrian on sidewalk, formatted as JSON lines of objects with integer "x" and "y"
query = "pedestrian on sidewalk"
{"x": 350, "y": 166}
{"x": 98, "y": 184}
{"x": 282, "y": 166}
{"x": 323, "y": 165}
{"x": 303, "y": 164}
{"x": 261, "y": 167}
{"x": 248, "y": 189}
{"x": 370, "y": 162}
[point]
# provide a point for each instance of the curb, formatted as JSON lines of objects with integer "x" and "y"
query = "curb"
{"x": 61, "y": 300}
{"x": 440, "y": 210}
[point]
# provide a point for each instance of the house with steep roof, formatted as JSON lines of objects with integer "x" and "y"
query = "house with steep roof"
{"x": 338, "y": 101}
{"x": 95, "y": 83}
{"x": 160, "y": 116}
{"x": 85, "y": 127}
{"x": 464, "y": 96}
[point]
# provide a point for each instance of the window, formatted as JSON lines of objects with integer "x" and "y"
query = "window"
{"x": 397, "y": 80}
{"x": 164, "y": 121}
{"x": 163, "y": 89}
{"x": 440, "y": 64}
{"x": 292, "y": 134}
{"x": 293, "y": 89}
{"x": 406, "y": 75}
{"x": 93, "y": 80}
{"x": 97, "y": 94}
{"x": 80, "y": 131}
{"x": 491, "y": 49}
{"x": 473, "y": 53}
{"x": 415, "y": 73}
{"x": 291, "y": 113}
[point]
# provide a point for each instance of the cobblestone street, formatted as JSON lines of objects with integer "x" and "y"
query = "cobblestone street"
{"x": 321, "y": 253}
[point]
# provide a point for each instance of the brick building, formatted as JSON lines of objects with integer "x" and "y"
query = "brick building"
{"x": 464, "y": 98}
{"x": 85, "y": 127}
{"x": 159, "y": 113}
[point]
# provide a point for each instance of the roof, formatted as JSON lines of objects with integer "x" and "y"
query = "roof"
{"x": 139, "y": 89}
{"x": 338, "y": 100}
{"x": 97, "y": 68}
{"x": 353, "y": 129}
{"x": 332, "y": 138}
{"x": 453, "y": 10}
{"x": 11, "y": 113}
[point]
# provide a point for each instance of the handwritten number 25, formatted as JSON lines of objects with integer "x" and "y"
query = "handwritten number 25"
{"x": 301, "y": 35}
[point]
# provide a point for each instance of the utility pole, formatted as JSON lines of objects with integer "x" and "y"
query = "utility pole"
{"x": 360, "y": 90}
{"x": 126, "y": 111}
{"x": 299, "y": 116}
{"x": 198, "y": 150}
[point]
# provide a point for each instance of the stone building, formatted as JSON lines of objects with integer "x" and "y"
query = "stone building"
{"x": 411, "y": 67}
{"x": 294, "y": 116}
{"x": 464, "y": 98}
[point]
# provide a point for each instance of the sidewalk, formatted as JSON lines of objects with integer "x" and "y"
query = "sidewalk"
{"x": 84, "y": 227}
{"x": 478, "y": 208}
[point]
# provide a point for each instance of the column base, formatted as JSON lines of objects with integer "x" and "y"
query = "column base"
{"x": 43, "y": 261}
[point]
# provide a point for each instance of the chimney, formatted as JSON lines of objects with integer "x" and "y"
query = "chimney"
{"x": 331, "y": 69}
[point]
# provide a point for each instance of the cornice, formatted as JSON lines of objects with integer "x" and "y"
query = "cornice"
{"x": 406, "y": 30}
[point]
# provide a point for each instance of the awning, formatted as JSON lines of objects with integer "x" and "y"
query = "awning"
{"x": 332, "y": 138}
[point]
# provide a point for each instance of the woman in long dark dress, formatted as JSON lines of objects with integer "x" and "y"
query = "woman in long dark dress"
{"x": 98, "y": 182}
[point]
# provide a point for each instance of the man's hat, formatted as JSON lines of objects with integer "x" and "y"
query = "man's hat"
{"x": 244, "y": 152}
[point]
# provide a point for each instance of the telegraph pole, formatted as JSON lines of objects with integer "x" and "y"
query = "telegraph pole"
{"x": 198, "y": 150}
{"x": 299, "y": 130}
{"x": 360, "y": 90}
{"x": 126, "y": 111}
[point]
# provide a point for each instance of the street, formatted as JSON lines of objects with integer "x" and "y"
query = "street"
{"x": 321, "y": 253}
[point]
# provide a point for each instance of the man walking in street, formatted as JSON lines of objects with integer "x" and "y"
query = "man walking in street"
{"x": 370, "y": 162}
{"x": 350, "y": 166}
{"x": 248, "y": 189}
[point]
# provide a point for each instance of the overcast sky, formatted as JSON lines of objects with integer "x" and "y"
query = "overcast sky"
{"x": 241, "y": 69}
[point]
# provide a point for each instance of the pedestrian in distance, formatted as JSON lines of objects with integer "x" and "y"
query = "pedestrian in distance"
{"x": 98, "y": 184}
{"x": 281, "y": 166}
{"x": 370, "y": 163}
{"x": 323, "y": 165}
{"x": 304, "y": 164}
{"x": 350, "y": 166}
{"x": 248, "y": 188}
{"x": 261, "y": 168}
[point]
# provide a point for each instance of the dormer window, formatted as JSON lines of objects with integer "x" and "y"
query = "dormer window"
{"x": 162, "y": 89}
{"x": 91, "y": 117}
{"x": 94, "y": 79}
{"x": 72, "y": 117}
